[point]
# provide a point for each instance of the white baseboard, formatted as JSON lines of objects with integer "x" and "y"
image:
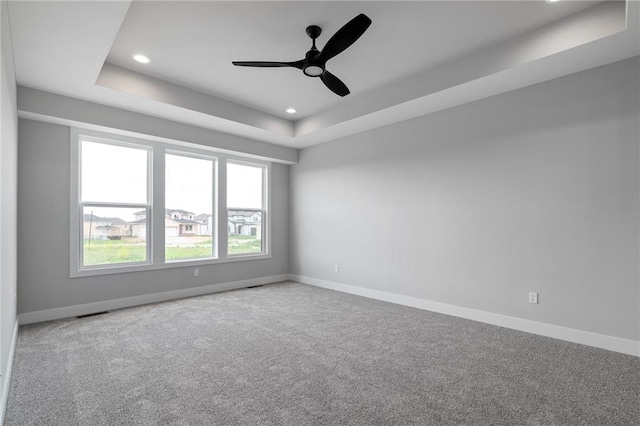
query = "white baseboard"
{"x": 72, "y": 311}
{"x": 625, "y": 346}
{"x": 630, "y": 347}
{"x": 6, "y": 379}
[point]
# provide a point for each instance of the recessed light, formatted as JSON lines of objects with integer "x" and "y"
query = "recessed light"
{"x": 552, "y": 1}
{"x": 291, "y": 110}
{"x": 141, "y": 58}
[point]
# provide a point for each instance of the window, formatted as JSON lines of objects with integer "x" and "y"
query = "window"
{"x": 114, "y": 203}
{"x": 245, "y": 206}
{"x": 188, "y": 191}
{"x": 139, "y": 205}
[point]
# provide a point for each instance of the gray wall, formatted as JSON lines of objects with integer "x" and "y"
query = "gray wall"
{"x": 8, "y": 195}
{"x": 533, "y": 190}
{"x": 43, "y": 226}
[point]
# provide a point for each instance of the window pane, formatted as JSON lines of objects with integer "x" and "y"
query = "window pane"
{"x": 245, "y": 231}
{"x": 189, "y": 221}
{"x": 113, "y": 173}
{"x": 113, "y": 235}
{"x": 244, "y": 186}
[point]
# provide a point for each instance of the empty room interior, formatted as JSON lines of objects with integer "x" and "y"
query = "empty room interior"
{"x": 320, "y": 213}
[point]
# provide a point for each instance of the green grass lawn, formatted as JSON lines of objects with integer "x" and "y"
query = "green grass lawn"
{"x": 244, "y": 244}
{"x": 175, "y": 253}
{"x": 105, "y": 252}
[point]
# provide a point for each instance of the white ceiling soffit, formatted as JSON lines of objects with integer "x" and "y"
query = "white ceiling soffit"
{"x": 192, "y": 44}
{"x": 598, "y": 34}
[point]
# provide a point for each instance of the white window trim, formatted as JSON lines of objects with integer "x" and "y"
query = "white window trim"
{"x": 266, "y": 232}
{"x": 156, "y": 241}
{"x": 215, "y": 160}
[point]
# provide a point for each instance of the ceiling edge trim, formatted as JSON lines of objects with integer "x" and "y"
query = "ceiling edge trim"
{"x": 49, "y": 107}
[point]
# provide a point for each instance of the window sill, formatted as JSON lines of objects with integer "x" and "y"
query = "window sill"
{"x": 187, "y": 263}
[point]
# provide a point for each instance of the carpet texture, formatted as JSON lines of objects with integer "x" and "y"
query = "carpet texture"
{"x": 290, "y": 354}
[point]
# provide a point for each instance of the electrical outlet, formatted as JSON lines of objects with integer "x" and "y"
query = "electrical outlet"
{"x": 196, "y": 272}
{"x": 336, "y": 268}
{"x": 533, "y": 297}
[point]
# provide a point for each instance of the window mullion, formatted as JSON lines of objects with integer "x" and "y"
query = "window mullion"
{"x": 215, "y": 214}
{"x": 222, "y": 209}
{"x": 157, "y": 202}
{"x": 266, "y": 210}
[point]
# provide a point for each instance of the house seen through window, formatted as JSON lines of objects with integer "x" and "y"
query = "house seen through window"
{"x": 245, "y": 204}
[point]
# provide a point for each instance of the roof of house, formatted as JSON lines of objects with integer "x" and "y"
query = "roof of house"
{"x": 166, "y": 211}
{"x": 106, "y": 227}
{"x": 242, "y": 213}
{"x": 169, "y": 211}
{"x": 111, "y": 220}
{"x": 186, "y": 221}
{"x": 115, "y": 220}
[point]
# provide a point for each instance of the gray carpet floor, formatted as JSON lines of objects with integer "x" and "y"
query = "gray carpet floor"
{"x": 290, "y": 354}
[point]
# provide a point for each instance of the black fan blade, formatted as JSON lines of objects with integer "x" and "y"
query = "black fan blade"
{"x": 334, "y": 84}
{"x": 345, "y": 37}
{"x": 267, "y": 64}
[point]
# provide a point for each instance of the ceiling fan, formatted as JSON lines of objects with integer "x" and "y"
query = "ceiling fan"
{"x": 313, "y": 65}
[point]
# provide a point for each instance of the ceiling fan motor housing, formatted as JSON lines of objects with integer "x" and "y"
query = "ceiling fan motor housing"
{"x": 312, "y": 67}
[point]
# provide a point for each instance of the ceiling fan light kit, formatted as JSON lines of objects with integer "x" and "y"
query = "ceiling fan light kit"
{"x": 314, "y": 63}
{"x": 313, "y": 71}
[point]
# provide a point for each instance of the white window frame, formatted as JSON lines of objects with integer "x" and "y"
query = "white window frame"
{"x": 264, "y": 210}
{"x": 215, "y": 160}
{"x": 77, "y": 238}
{"x": 156, "y": 200}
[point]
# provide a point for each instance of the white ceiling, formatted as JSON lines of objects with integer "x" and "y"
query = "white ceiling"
{"x": 193, "y": 44}
{"x": 417, "y": 57}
